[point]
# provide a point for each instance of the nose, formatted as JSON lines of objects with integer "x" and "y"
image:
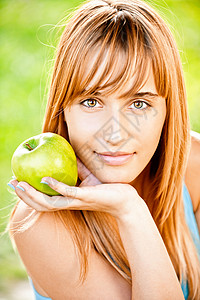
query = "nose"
{"x": 114, "y": 132}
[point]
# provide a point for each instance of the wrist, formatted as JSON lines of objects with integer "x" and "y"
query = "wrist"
{"x": 136, "y": 211}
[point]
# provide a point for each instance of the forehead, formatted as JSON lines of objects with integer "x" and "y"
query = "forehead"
{"x": 117, "y": 73}
{"x": 103, "y": 72}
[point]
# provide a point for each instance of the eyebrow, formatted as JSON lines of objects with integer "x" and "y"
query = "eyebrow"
{"x": 140, "y": 94}
{"x": 149, "y": 94}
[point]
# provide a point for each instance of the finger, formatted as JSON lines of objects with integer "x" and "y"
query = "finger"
{"x": 84, "y": 193}
{"x": 38, "y": 200}
{"x": 13, "y": 182}
{"x": 62, "y": 188}
{"x": 32, "y": 204}
{"x": 26, "y": 199}
{"x": 31, "y": 196}
{"x": 42, "y": 202}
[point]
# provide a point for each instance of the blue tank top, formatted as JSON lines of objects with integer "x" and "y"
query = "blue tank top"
{"x": 192, "y": 224}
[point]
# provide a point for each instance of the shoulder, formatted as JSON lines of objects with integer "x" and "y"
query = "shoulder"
{"x": 46, "y": 245}
{"x": 192, "y": 174}
{"x": 195, "y": 143}
{"x": 50, "y": 258}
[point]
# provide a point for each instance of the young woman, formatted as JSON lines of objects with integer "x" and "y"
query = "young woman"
{"x": 129, "y": 229}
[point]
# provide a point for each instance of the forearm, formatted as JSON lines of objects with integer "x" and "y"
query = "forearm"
{"x": 153, "y": 275}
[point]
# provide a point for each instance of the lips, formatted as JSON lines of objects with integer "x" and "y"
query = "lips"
{"x": 115, "y": 158}
{"x": 117, "y": 153}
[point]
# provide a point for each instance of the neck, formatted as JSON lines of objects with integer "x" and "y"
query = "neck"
{"x": 142, "y": 185}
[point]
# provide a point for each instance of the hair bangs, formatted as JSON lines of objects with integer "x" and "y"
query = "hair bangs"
{"x": 112, "y": 45}
{"x": 118, "y": 61}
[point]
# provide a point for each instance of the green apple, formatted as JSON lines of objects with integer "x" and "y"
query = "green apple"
{"x": 45, "y": 155}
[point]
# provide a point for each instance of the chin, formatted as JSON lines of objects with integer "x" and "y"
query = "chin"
{"x": 113, "y": 176}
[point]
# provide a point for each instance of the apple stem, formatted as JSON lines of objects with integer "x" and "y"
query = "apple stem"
{"x": 29, "y": 147}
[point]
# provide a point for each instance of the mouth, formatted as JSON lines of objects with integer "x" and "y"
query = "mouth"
{"x": 115, "y": 158}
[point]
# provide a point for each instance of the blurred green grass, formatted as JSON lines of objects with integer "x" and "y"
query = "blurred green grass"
{"x": 25, "y": 60}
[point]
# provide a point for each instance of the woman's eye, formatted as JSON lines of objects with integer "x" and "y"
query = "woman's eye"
{"x": 140, "y": 105}
{"x": 91, "y": 103}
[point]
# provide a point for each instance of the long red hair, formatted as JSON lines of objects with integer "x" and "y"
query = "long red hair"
{"x": 136, "y": 30}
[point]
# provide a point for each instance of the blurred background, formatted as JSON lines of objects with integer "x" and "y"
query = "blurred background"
{"x": 28, "y": 39}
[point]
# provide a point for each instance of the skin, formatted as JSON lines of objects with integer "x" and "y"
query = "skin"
{"x": 118, "y": 190}
{"x": 132, "y": 123}
{"x": 27, "y": 241}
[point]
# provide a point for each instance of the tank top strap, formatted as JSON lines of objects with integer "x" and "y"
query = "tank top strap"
{"x": 190, "y": 218}
{"x": 36, "y": 294}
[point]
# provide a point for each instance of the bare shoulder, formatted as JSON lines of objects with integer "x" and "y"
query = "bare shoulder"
{"x": 50, "y": 258}
{"x": 195, "y": 136}
{"x": 45, "y": 247}
{"x": 192, "y": 174}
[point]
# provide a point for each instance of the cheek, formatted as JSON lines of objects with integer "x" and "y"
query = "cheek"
{"x": 150, "y": 131}
{"x": 81, "y": 129}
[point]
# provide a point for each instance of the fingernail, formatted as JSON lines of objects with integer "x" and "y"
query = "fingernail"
{"x": 12, "y": 186}
{"x": 44, "y": 182}
{"x": 13, "y": 177}
{"x": 21, "y": 188}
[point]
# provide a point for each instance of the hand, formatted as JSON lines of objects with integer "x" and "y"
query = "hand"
{"x": 115, "y": 198}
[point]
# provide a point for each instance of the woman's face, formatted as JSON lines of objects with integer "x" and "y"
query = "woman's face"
{"x": 99, "y": 123}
